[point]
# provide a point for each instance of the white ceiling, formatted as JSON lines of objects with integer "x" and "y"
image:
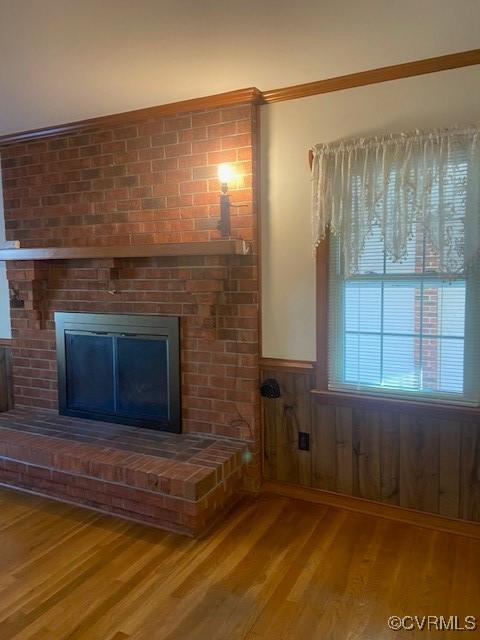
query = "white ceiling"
{"x": 65, "y": 60}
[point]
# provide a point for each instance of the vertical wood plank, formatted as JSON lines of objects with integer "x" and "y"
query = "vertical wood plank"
{"x": 344, "y": 450}
{"x": 449, "y": 467}
{"x": 419, "y": 463}
{"x": 284, "y": 417}
{"x": 324, "y": 463}
{"x": 389, "y": 457}
{"x": 302, "y": 386}
{"x": 470, "y": 479}
{"x": 366, "y": 448}
{"x": 270, "y": 422}
{"x": 284, "y": 437}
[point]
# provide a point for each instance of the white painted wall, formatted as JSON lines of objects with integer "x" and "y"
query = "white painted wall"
{"x": 5, "y": 331}
{"x": 288, "y": 130}
{"x": 65, "y": 60}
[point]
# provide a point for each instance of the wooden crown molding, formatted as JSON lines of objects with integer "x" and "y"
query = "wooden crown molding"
{"x": 250, "y": 95}
{"x": 373, "y": 76}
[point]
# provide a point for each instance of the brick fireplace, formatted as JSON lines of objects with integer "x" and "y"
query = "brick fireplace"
{"x": 151, "y": 182}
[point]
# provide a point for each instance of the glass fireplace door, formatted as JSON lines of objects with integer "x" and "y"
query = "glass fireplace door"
{"x": 108, "y": 371}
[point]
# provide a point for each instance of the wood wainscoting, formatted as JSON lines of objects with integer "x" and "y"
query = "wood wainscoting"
{"x": 5, "y": 378}
{"x": 408, "y": 459}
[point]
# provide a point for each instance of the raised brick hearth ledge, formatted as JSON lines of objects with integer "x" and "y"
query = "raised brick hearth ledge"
{"x": 177, "y": 482}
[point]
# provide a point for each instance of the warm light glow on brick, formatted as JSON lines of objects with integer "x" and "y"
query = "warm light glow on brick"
{"x": 225, "y": 173}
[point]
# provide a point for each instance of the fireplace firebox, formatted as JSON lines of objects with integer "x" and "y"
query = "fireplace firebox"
{"x": 119, "y": 368}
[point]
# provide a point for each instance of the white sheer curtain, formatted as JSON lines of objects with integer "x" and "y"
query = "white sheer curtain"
{"x": 424, "y": 181}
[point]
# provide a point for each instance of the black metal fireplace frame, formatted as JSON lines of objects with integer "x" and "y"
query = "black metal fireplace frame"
{"x": 124, "y": 325}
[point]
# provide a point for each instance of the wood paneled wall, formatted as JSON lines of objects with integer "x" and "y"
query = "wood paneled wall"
{"x": 404, "y": 459}
{"x": 5, "y": 380}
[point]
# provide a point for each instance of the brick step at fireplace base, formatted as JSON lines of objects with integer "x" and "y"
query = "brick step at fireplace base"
{"x": 178, "y": 482}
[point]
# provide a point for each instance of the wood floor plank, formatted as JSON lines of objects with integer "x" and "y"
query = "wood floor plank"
{"x": 275, "y": 569}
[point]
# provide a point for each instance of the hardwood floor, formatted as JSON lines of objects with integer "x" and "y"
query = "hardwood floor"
{"x": 276, "y": 569}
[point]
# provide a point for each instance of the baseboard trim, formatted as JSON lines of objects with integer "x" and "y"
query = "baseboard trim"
{"x": 369, "y": 507}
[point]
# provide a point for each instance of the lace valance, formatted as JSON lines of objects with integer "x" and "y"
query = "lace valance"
{"x": 426, "y": 182}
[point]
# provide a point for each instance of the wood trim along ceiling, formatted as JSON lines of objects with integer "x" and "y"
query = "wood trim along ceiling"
{"x": 373, "y": 76}
{"x": 361, "y": 505}
{"x": 255, "y": 96}
{"x": 228, "y": 99}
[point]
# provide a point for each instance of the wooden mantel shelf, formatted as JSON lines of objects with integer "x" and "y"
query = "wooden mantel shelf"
{"x": 211, "y": 248}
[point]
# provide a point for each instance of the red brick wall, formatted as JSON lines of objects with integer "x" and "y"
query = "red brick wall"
{"x": 151, "y": 182}
{"x": 137, "y": 184}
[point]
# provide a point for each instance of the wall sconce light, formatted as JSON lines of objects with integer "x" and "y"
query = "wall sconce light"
{"x": 225, "y": 175}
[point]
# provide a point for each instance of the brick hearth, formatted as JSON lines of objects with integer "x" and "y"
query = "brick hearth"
{"x": 176, "y": 482}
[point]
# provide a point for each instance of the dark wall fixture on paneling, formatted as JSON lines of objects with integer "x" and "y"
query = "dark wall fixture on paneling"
{"x": 410, "y": 460}
{"x": 270, "y": 389}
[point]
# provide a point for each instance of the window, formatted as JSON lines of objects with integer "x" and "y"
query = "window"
{"x": 403, "y": 264}
{"x": 400, "y": 328}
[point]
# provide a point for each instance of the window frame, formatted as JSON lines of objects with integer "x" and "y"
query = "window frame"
{"x": 364, "y": 399}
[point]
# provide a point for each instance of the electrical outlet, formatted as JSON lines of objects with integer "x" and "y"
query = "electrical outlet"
{"x": 303, "y": 441}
